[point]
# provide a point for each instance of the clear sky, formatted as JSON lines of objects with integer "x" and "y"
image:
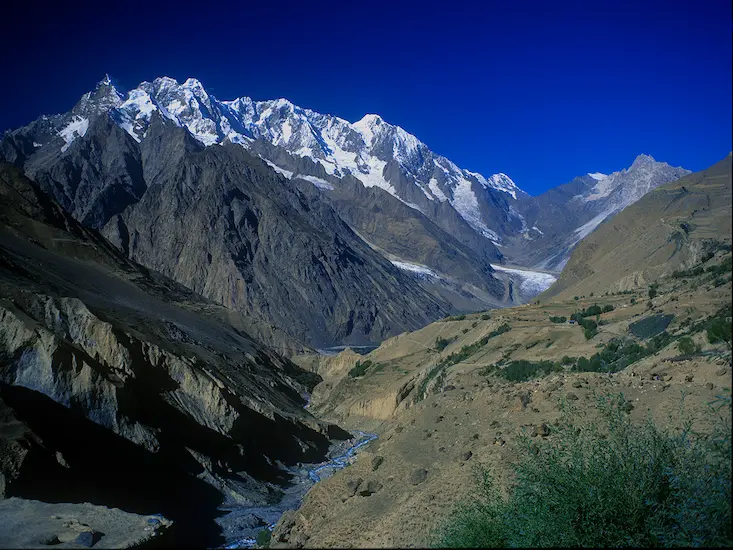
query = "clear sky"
{"x": 542, "y": 91}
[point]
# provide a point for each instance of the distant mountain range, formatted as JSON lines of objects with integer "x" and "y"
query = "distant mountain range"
{"x": 338, "y": 233}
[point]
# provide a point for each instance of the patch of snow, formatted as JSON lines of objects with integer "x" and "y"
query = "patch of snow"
{"x": 416, "y": 269}
{"x": 597, "y": 176}
{"x": 443, "y": 168}
{"x": 287, "y": 131}
{"x": 436, "y": 191}
{"x": 537, "y": 229}
{"x": 466, "y": 204}
{"x": 366, "y": 126}
{"x": 36, "y": 144}
{"x": 531, "y": 282}
{"x": 76, "y": 128}
{"x": 287, "y": 173}
{"x": 410, "y": 204}
{"x": 588, "y": 227}
{"x": 318, "y": 182}
{"x": 500, "y": 182}
{"x": 603, "y": 188}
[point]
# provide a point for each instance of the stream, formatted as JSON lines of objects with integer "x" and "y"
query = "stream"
{"x": 240, "y": 525}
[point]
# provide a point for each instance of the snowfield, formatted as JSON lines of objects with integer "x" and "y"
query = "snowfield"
{"x": 420, "y": 271}
{"x": 531, "y": 283}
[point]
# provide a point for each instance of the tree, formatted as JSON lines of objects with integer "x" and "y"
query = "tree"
{"x": 686, "y": 345}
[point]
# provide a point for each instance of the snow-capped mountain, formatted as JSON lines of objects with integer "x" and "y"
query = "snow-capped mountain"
{"x": 400, "y": 197}
{"x": 566, "y": 214}
{"x": 614, "y": 192}
{"x": 367, "y": 149}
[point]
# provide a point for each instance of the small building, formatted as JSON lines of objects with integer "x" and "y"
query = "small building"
{"x": 571, "y": 322}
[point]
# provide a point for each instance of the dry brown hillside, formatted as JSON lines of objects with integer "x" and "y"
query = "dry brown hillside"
{"x": 442, "y": 405}
{"x": 670, "y": 228}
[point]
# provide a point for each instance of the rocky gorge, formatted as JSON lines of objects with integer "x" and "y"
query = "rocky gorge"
{"x": 123, "y": 389}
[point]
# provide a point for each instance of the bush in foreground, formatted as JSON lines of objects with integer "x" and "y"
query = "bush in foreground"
{"x": 608, "y": 485}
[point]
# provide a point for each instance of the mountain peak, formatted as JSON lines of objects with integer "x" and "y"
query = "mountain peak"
{"x": 103, "y": 98}
{"x": 643, "y": 159}
{"x": 192, "y": 83}
{"x": 370, "y": 119}
{"x": 166, "y": 80}
{"x": 502, "y": 182}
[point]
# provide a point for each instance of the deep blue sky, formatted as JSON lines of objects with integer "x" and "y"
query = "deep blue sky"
{"x": 542, "y": 91}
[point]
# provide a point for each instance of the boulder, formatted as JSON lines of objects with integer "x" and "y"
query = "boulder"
{"x": 418, "y": 476}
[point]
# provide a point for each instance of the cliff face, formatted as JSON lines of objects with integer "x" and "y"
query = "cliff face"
{"x": 132, "y": 378}
{"x": 226, "y": 225}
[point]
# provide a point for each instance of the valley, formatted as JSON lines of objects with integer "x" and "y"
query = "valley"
{"x": 466, "y": 416}
{"x": 264, "y": 323}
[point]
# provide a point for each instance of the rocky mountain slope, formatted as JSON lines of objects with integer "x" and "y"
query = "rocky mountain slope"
{"x": 122, "y": 388}
{"x": 260, "y": 245}
{"x": 670, "y": 228}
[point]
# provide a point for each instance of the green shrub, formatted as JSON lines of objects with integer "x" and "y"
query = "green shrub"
{"x": 360, "y": 368}
{"x": 501, "y": 330}
{"x": 459, "y": 318}
{"x": 464, "y": 353}
{"x": 485, "y": 317}
{"x": 719, "y": 330}
{"x": 263, "y": 538}
{"x": 610, "y": 484}
{"x": 589, "y": 333}
{"x": 650, "y": 326}
{"x": 721, "y": 268}
{"x": 619, "y": 354}
{"x": 560, "y": 319}
{"x": 686, "y": 345}
{"x": 607, "y": 308}
{"x": 522, "y": 370}
{"x": 442, "y": 343}
{"x": 633, "y": 301}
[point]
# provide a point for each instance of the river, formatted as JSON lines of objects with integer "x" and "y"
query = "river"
{"x": 240, "y": 525}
